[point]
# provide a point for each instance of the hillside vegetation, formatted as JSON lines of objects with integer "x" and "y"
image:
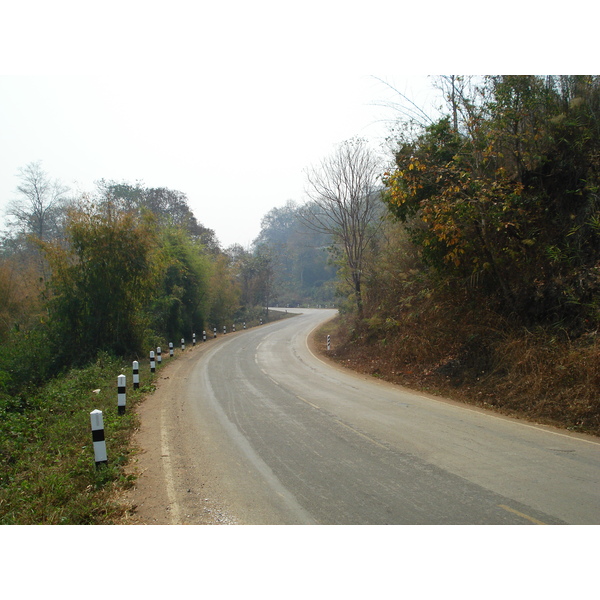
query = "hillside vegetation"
{"x": 484, "y": 282}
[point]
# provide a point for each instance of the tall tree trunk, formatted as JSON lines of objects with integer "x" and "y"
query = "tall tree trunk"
{"x": 358, "y": 293}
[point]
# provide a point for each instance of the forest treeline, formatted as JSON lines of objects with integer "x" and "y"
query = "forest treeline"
{"x": 126, "y": 268}
{"x": 116, "y": 271}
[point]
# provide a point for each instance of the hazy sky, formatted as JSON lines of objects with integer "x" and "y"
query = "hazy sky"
{"x": 236, "y": 147}
{"x": 226, "y": 102}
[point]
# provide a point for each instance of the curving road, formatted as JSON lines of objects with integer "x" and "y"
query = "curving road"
{"x": 292, "y": 439}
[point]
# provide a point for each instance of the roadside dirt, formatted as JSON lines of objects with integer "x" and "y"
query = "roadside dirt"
{"x": 175, "y": 483}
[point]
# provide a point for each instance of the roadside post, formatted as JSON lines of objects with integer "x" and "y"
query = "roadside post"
{"x": 159, "y": 356}
{"x": 98, "y": 438}
{"x": 136, "y": 375}
{"x": 171, "y": 349}
{"x": 121, "y": 393}
{"x": 152, "y": 362}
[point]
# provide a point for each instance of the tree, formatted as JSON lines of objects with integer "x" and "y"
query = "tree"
{"x": 346, "y": 203}
{"x": 19, "y": 295}
{"x": 254, "y": 274}
{"x": 170, "y": 207}
{"x": 100, "y": 283}
{"x": 262, "y": 264}
{"x": 37, "y": 207}
{"x": 299, "y": 256}
{"x": 508, "y": 201}
{"x": 181, "y": 299}
{"x": 224, "y": 293}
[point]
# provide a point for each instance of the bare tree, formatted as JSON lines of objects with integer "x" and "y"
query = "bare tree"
{"x": 36, "y": 208}
{"x": 464, "y": 96}
{"x": 346, "y": 203}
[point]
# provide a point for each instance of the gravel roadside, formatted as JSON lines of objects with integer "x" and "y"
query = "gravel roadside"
{"x": 175, "y": 482}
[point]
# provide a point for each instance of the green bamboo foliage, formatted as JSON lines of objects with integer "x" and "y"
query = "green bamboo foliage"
{"x": 100, "y": 281}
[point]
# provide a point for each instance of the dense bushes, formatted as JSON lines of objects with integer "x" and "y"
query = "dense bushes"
{"x": 99, "y": 283}
{"x": 506, "y": 202}
{"x": 127, "y": 270}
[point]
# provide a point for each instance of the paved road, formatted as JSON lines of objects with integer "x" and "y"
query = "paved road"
{"x": 297, "y": 441}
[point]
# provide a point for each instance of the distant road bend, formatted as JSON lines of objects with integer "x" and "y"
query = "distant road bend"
{"x": 293, "y": 440}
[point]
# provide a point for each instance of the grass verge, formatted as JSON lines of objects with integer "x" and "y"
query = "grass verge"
{"x": 48, "y": 473}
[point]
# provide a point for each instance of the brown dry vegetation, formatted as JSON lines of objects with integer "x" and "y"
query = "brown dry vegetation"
{"x": 481, "y": 359}
{"x": 19, "y": 293}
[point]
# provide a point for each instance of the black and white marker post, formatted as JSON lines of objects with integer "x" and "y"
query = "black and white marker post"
{"x": 152, "y": 363}
{"x": 244, "y": 324}
{"x": 215, "y": 332}
{"x": 171, "y": 349}
{"x": 159, "y": 356}
{"x": 233, "y": 328}
{"x": 98, "y": 438}
{"x": 328, "y": 343}
{"x": 224, "y": 329}
{"x": 193, "y": 339}
{"x": 136, "y": 375}
{"x": 121, "y": 393}
{"x": 204, "y": 336}
{"x": 182, "y": 344}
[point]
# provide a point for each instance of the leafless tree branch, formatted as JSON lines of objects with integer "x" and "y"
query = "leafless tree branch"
{"x": 345, "y": 202}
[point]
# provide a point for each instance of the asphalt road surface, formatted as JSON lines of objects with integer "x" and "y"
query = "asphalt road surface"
{"x": 294, "y": 440}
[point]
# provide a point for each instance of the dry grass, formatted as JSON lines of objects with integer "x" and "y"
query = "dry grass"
{"x": 481, "y": 359}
